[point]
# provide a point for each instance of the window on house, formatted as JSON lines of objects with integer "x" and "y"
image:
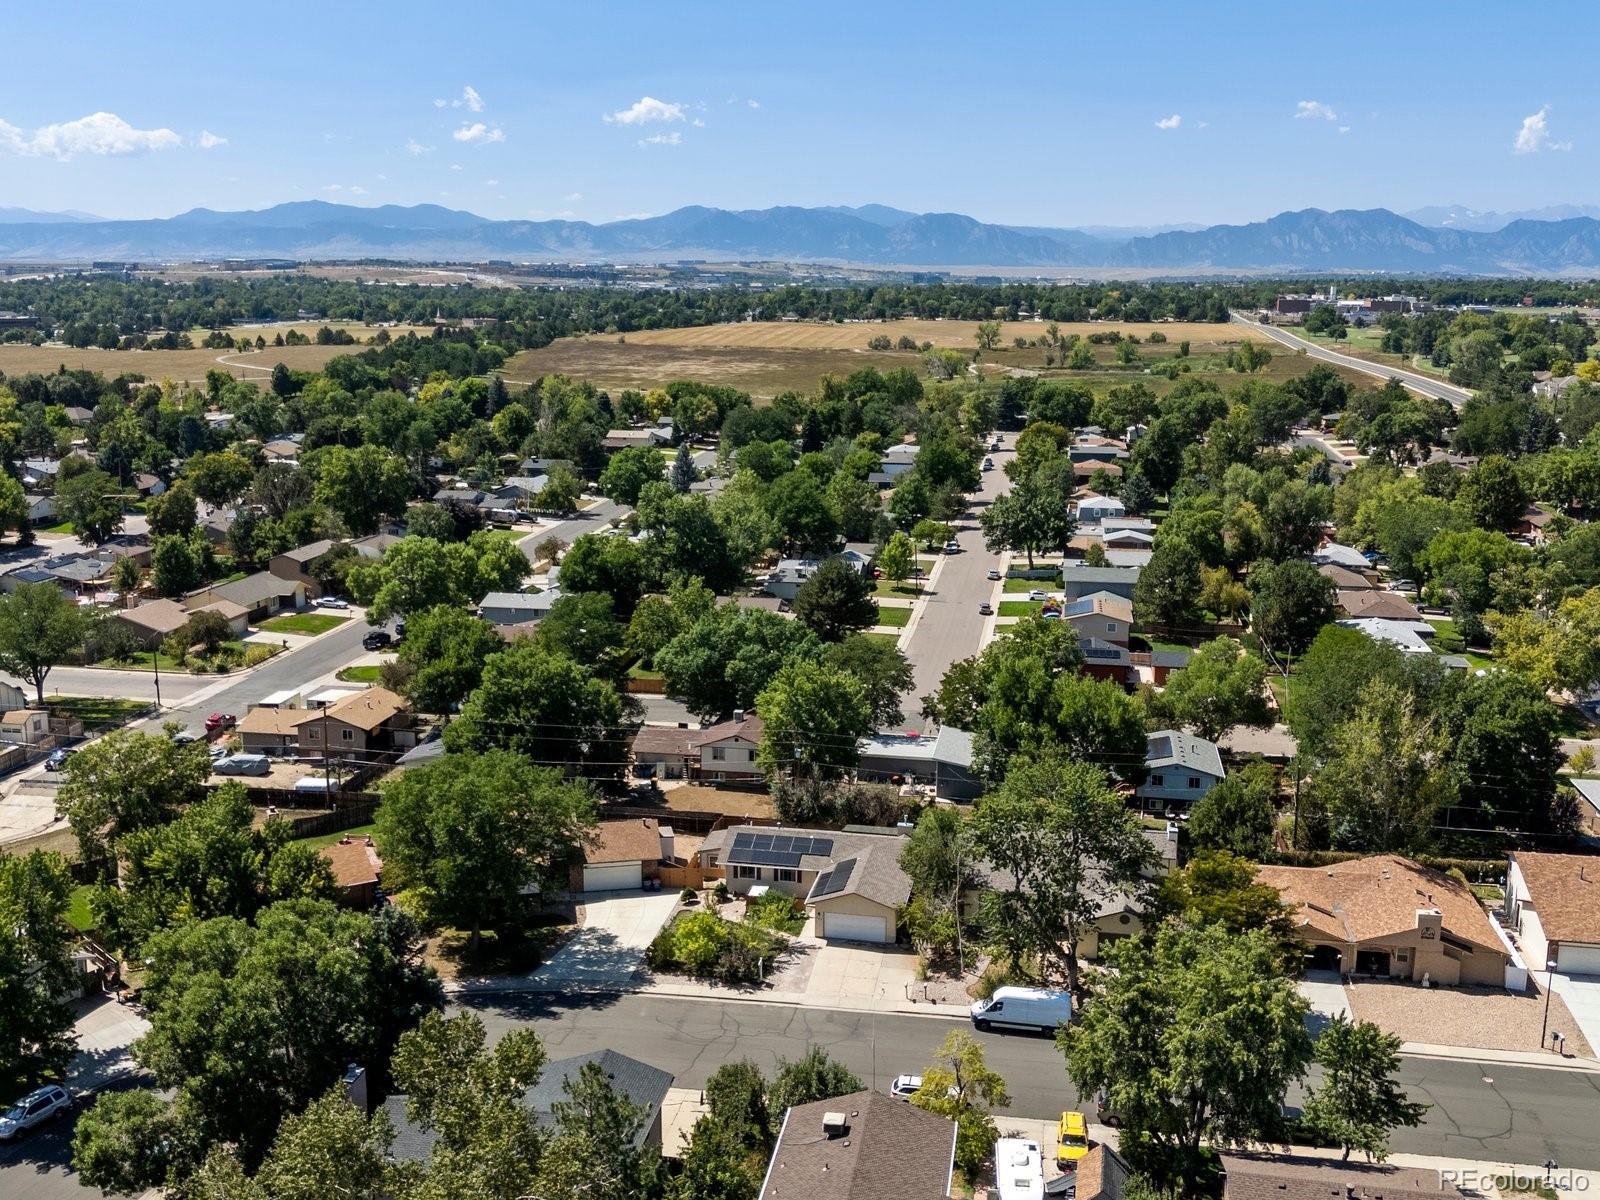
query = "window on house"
{"x": 314, "y": 733}
{"x": 1194, "y": 783}
{"x": 348, "y": 735}
{"x": 741, "y": 872}
{"x": 785, "y": 875}
{"x": 1111, "y": 626}
{"x": 719, "y": 754}
{"x": 1156, "y": 781}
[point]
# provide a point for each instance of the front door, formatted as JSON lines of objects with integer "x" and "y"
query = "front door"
{"x": 1372, "y": 962}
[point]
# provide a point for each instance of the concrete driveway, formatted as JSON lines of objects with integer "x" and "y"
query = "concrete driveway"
{"x": 850, "y": 974}
{"x": 607, "y": 951}
{"x": 1581, "y": 993}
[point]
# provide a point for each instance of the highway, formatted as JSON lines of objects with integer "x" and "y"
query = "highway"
{"x": 1422, "y": 384}
{"x": 949, "y": 627}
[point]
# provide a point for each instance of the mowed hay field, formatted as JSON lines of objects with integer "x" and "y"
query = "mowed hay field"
{"x": 190, "y": 366}
{"x": 766, "y": 358}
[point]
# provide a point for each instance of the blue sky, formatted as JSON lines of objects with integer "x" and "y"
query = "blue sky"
{"x": 1043, "y": 114}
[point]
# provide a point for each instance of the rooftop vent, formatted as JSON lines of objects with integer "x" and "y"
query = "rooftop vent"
{"x": 834, "y": 1124}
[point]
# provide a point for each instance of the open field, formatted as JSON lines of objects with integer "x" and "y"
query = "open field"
{"x": 1366, "y": 343}
{"x": 809, "y": 335}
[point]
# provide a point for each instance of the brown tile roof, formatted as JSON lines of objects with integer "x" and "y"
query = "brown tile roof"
{"x": 368, "y": 709}
{"x": 1566, "y": 893}
{"x": 1363, "y": 899}
{"x": 158, "y": 616}
{"x": 225, "y": 608}
{"x": 674, "y": 739}
{"x": 637, "y": 839}
{"x": 889, "y": 1151}
{"x": 1369, "y": 602}
{"x": 280, "y": 721}
{"x": 1289, "y": 1177}
{"x": 354, "y": 862}
{"x": 1102, "y": 1175}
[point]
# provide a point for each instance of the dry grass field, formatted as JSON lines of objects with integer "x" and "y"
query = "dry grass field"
{"x": 190, "y": 366}
{"x": 767, "y": 358}
{"x": 808, "y": 335}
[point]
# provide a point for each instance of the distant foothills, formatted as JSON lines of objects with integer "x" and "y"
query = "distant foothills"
{"x": 1440, "y": 240}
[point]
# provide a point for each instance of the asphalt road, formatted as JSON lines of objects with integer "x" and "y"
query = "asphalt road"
{"x": 1418, "y": 383}
{"x": 949, "y": 628}
{"x": 590, "y": 520}
{"x": 1481, "y": 1111}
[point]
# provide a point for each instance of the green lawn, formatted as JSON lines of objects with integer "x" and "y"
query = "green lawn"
{"x": 145, "y": 660}
{"x": 891, "y": 638}
{"x": 1020, "y": 608}
{"x": 906, "y": 590}
{"x": 893, "y": 618}
{"x": 97, "y": 710}
{"x": 78, "y": 908}
{"x": 366, "y": 673}
{"x": 1448, "y": 641}
{"x": 328, "y": 839}
{"x": 1026, "y": 585}
{"x": 61, "y": 527}
{"x": 308, "y": 624}
{"x": 638, "y": 672}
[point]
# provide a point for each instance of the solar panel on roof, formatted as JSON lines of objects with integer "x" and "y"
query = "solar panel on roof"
{"x": 741, "y": 841}
{"x": 822, "y": 845}
{"x": 761, "y": 841}
{"x": 836, "y": 879}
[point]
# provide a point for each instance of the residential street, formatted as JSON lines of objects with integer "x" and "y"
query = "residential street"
{"x": 590, "y": 520}
{"x": 948, "y": 627}
{"x": 1492, "y": 1111}
{"x": 1424, "y": 384}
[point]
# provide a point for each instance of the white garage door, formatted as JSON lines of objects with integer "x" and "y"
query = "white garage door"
{"x": 1579, "y": 960}
{"x": 613, "y": 877}
{"x": 848, "y": 927}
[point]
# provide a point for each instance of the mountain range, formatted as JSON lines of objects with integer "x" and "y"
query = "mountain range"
{"x": 1447, "y": 242}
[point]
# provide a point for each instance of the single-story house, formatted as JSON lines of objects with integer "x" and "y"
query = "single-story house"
{"x": 156, "y": 620}
{"x": 860, "y": 555}
{"x": 1403, "y": 634}
{"x": 1086, "y": 469}
{"x": 852, "y": 881}
{"x": 367, "y": 720}
{"x": 1078, "y": 580}
{"x": 373, "y": 545}
{"x": 78, "y": 415}
{"x": 1370, "y": 602}
{"x": 1298, "y": 1177}
{"x": 292, "y": 564}
{"x": 38, "y": 472}
{"x": 281, "y": 450}
{"x": 1093, "y": 508}
{"x": 1388, "y": 916}
{"x": 644, "y": 1086}
{"x": 1121, "y": 914}
{"x": 725, "y": 750}
{"x": 17, "y": 576}
{"x": 1341, "y": 556}
{"x": 943, "y": 760}
{"x": 1103, "y": 615}
{"x": 126, "y": 545}
{"x": 1553, "y": 903}
{"x": 785, "y": 578}
{"x": 517, "y": 608}
{"x": 623, "y": 439}
{"x": 1090, "y": 448}
{"x": 772, "y": 604}
{"x": 624, "y": 854}
{"x": 40, "y": 508}
{"x": 522, "y": 487}
{"x": 863, "y": 1146}
{"x": 260, "y": 595}
{"x": 77, "y": 572}
{"x": 147, "y": 484}
{"x": 1155, "y": 667}
{"x": 270, "y": 730}
{"x": 471, "y": 497}
{"x": 1180, "y": 769}
{"x": 24, "y": 727}
{"x": 1347, "y": 579}
{"x": 898, "y": 459}
{"x": 357, "y": 870}
{"x": 1126, "y": 539}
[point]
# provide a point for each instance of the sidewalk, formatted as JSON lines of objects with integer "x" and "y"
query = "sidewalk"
{"x": 106, "y": 1032}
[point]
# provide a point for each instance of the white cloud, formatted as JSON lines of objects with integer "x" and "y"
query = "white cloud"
{"x": 1344, "y": 129}
{"x": 698, "y": 123}
{"x": 210, "y": 141}
{"x": 491, "y": 183}
{"x": 663, "y": 139}
{"x": 469, "y": 100}
{"x": 645, "y": 110}
{"x": 572, "y": 197}
{"x": 100, "y": 133}
{"x": 1314, "y": 110}
{"x": 753, "y": 103}
{"x": 457, "y": 167}
{"x": 414, "y": 147}
{"x": 1534, "y": 135}
{"x": 1171, "y": 122}
{"x": 479, "y": 132}
{"x": 355, "y": 189}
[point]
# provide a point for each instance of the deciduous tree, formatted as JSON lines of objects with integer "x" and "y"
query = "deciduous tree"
{"x": 1358, "y": 1102}
{"x": 39, "y": 627}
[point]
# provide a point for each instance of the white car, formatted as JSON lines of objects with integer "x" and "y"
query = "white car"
{"x": 33, "y": 1110}
{"x": 331, "y": 602}
{"x": 905, "y": 1086}
{"x": 994, "y": 573}
{"x": 952, "y": 547}
{"x": 1037, "y": 594}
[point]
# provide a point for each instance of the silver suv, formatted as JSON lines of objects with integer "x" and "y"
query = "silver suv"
{"x": 33, "y": 1109}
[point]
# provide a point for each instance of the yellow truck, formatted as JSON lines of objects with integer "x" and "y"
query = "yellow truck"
{"x": 1072, "y": 1140}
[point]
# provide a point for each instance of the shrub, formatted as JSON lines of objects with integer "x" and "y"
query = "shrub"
{"x": 777, "y": 912}
{"x": 702, "y": 944}
{"x": 687, "y": 895}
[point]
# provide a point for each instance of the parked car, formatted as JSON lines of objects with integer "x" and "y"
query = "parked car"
{"x": 184, "y": 737}
{"x": 332, "y": 602}
{"x": 988, "y": 464}
{"x": 218, "y": 753}
{"x": 34, "y": 1110}
{"x": 994, "y": 573}
{"x": 220, "y": 720}
{"x": 1038, "y": 594}
{"x": 952, "y": 547}
{"x": 57, "y": 760}
{"x": 905, "y": 1086}
{"x": 1023, "y": 1007}
{"x": 378, "y": 639}
{"x": 400, "y": 629}
{"x": 1104, "y": 1114}
{"x": 243, "y": 764}
{"x": 1072, "y": 1140}
{"x": 985, "y": 609}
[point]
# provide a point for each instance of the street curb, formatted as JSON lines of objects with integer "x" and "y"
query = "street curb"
{"x": 1498, "y": 1057}
{"x": 458, "y": 995}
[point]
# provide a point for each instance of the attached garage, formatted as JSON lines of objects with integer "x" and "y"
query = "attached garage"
{"x": 1575, "y": 959}
{"x": 613, "y": 877}
{"x": 852, "y": 927}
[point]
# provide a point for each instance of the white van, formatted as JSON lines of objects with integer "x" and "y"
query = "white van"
{"x": 1023, "y": 1007}
{"x": 1018, "y": 1169}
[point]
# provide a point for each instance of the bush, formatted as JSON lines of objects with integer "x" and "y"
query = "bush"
{"x": 777, "y": 912}
{"x": 687, "y": 895}
{"x": 702, "y": 944}
{"x": 720, "y": 892}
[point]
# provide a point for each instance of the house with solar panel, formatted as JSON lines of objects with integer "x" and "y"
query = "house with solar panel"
{"x": 851, "y": 881}
{"x": 1104, "y": 616}
{"x": 1179, "y": 769}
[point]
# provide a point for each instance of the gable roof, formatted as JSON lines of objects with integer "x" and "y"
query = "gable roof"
{"x": 1370, "y": 602}
{"x": 304, "y": 554}
{"x": 158, "y": 616}
{"x": 1297, "y": 1177}
{"x": 412, "y": 1143}
{"x": 1101, "y": 1175}
{"x": 639, "y": 1082}
{"x": 637, "y": 839}
{"x": 1565, "y": 889}
{"x": 675, "y": 739}
{"x": 1107, "y": 604}
{"x": 367, "y": 709}
{"x": 1175, "y": 748}
{"x": 1365, "y": 898}
{"x": 249, "y": 591}
{"x": 890, "y": 1151}
{"x": 354, "y": 861}
{"x": 1344, "y": 578}
{"x": 1344, "y": 556}
{"x": 873, "y": 873}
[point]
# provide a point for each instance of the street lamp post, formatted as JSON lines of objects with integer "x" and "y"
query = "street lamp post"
{"x": 1549, "y": 978}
